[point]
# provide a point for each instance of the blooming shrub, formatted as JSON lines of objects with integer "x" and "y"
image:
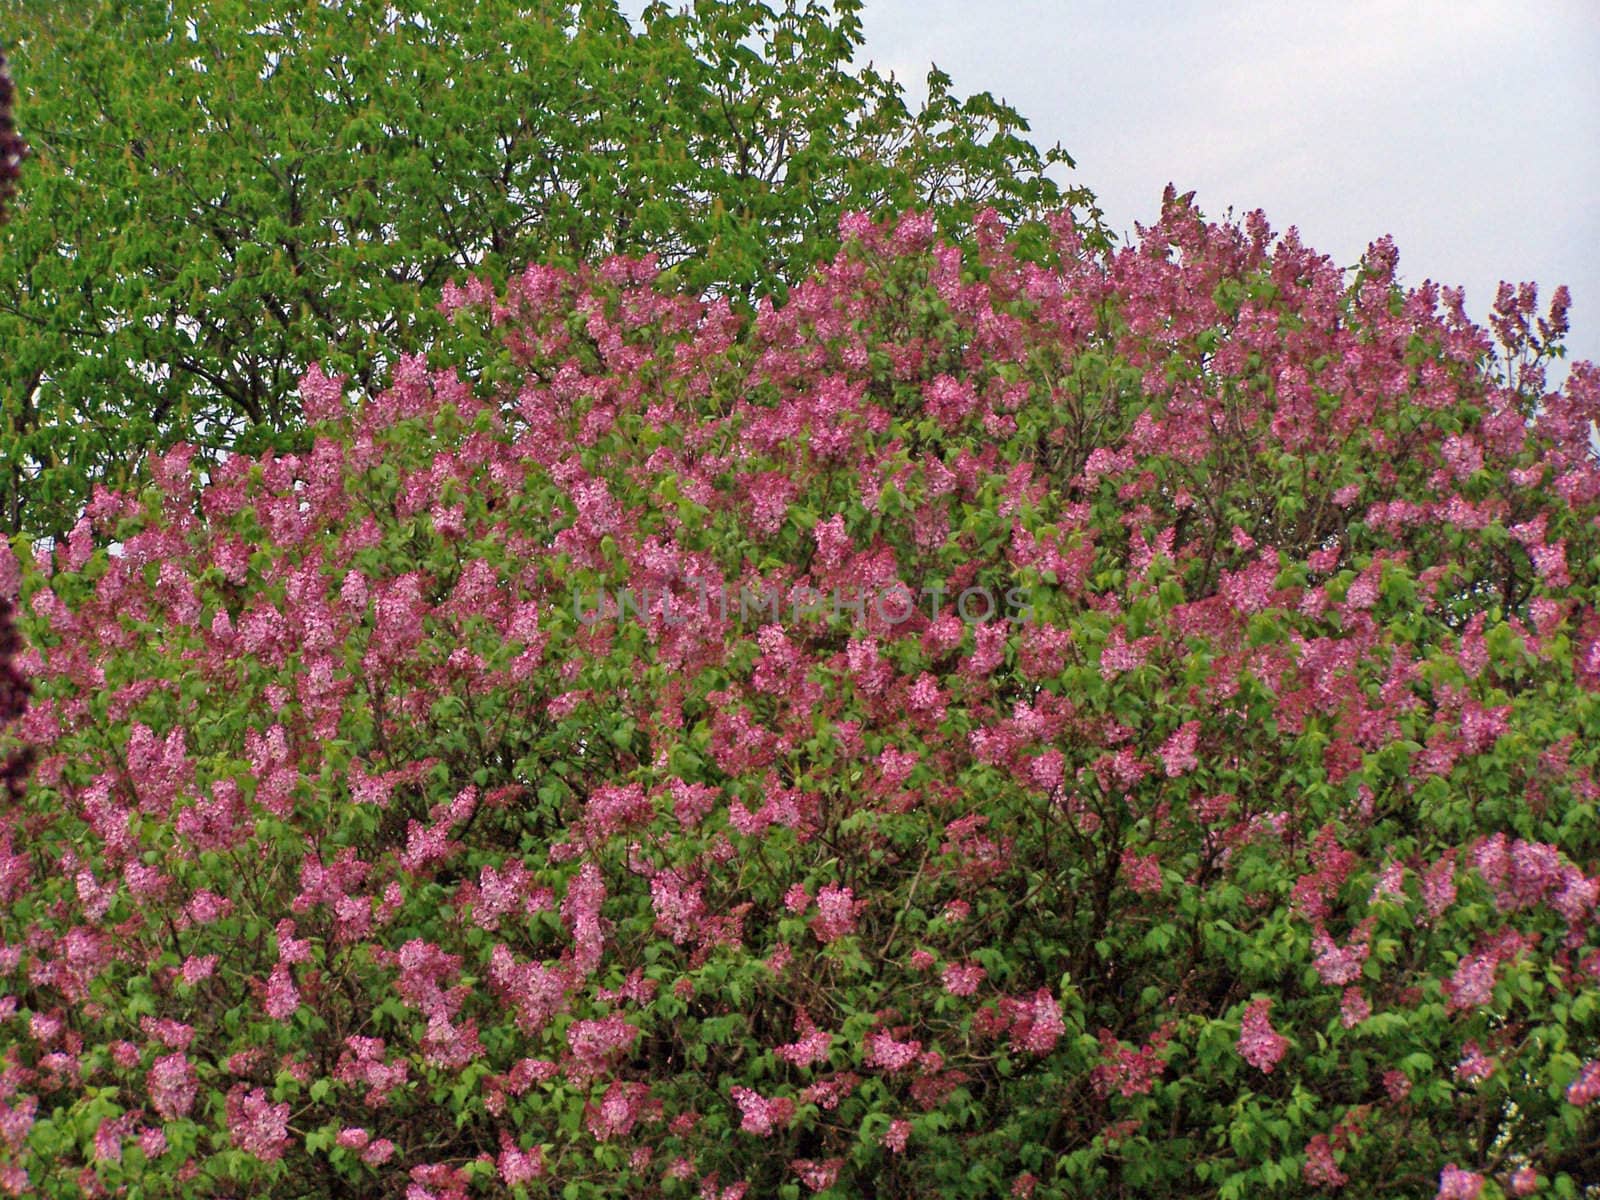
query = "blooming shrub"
{"x": 1214, "y": 817}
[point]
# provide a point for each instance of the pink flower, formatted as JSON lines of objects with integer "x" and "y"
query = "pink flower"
{"x": 172, "y": 1083}
{"x": 818, "y": 1176}
{"x": 1583, "y": 1090}
{"x": 256, "y": 1125}
{"x": 1129, "y": 1071}
{"x": 1251, "y": 590}
{"x": 1142, "y": 871}
{"x": 517, "y": 1165}
{"x": 206, "y": 906}
{"x": 950, "y": 401}
{"x": 962, "y": 979}
{"x": 618, "y": 1111}
{"x": 438, "y": 1181}
{"x": 1259, "y": 1044}
{"x": 1456, "y": 1184}
{"x": 1178, "y": 752}
{"x": 1336, "y": 964}
{"x": 1353, "y": 1008}
{"x": 586, "y": 892}
{"x": 1119, "y": 655}
{"x": 836, "y": 908}
{"x": 833, "y": 543}
{"x": 108, "y": 1137}
{"x": 925, "y": 697}
{"x": 597, "y": 1042}
{"x": 152, "y": 1142}
{"x": 1036, "y": 1023}
{"x": 1535, "y": 869}
{"x": 1320, "y": 1170}
{"x": 1438, "y": 887}
{"x": 174, "y": 1035}
{"x": 812, "y": 1047}
{"x": 1473, "y": 1067}
{"x": 446, "y": 1044}
{"x": 615, "y": 807}
{"x": 895, "y": 1137}
{"x": 883, "y": 1051}
{"x": 197, "y": 968}
{"x": 378, "y": 1152}
{"x": 1472, "y": 985}
{"x": 320, "y": 394}
{"x": 45, "y": 1026}
{"x": 282, "y": 997}
{"x": 760, "y": 1115}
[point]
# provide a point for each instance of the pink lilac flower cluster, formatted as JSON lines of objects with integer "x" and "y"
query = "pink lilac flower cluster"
{"x": 258, "y": 1126}
{"x": 1259, "y": 1044}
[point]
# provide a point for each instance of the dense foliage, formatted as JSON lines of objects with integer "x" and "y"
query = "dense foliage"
{"x": 1218, "y": 821}
{"x": 225, "y": 190}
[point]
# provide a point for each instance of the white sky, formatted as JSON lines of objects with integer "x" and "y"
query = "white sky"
{"x": 1467, "y": 129}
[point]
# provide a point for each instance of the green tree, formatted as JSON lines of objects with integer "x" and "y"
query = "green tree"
{"x": 225, "y": 190}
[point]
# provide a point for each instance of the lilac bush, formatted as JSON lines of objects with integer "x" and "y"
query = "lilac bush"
{"x": 361, "y": 858}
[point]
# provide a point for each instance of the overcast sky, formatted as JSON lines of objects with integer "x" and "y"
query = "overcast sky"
{"x": 1468, "y": 129}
